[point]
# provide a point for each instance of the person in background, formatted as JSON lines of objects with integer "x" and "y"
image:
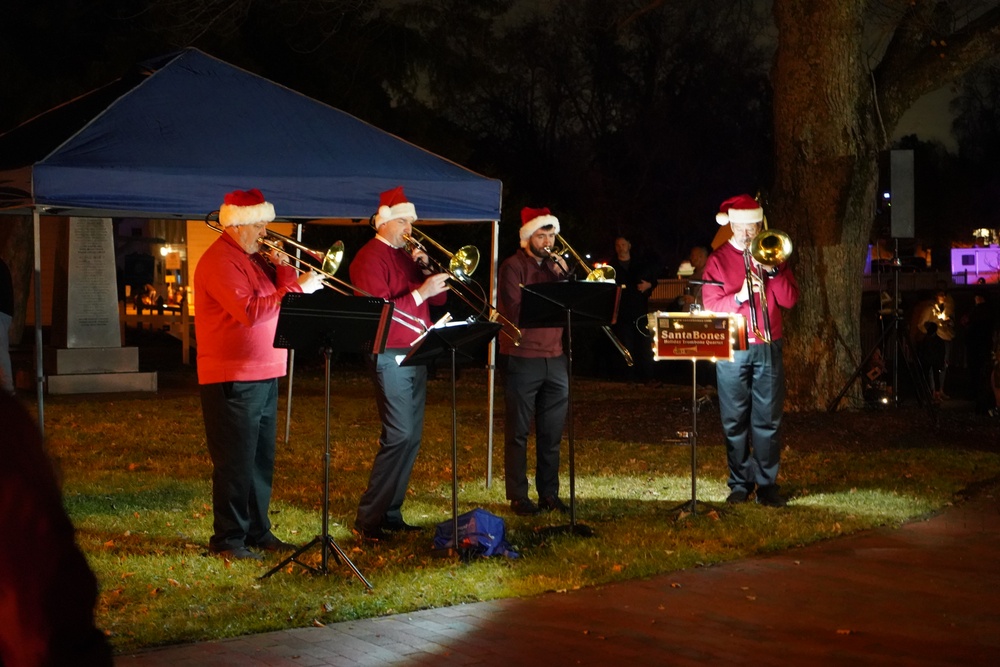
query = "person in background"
{"x": 979, "y": 326}
{"x": 940, "y": 309}
{"x": 931, "y": 355}
{"x": 536, "y": 372}
{"x": 636, "y": 277}
{"x": 6, "y": 317}
{"x": 384, "y": 268}
{"x": 752, "y": 386}
{"x": 47, "y": 590}
{"x": 692, "y": 293}
{"x": 239, "y": 296}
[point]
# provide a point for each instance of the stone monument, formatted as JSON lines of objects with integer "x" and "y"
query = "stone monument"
{"x": 87, "y": 354}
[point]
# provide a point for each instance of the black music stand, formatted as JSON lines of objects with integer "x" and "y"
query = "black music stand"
{"x": 453, "y": 338}
{"x": 560, "y": 304}
{"x": 323, "y": 322}
{"x": 695, "y": 335}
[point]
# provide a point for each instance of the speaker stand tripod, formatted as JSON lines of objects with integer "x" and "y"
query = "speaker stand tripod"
{"x": 893, "y": 334}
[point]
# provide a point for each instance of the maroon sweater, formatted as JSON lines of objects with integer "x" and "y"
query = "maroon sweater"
{"x": 520, "y": 269}
{"x": 726, "y": 265}
{"x": 390, "y": 273}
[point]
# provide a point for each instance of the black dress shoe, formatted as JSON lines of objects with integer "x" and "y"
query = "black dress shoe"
{"x": 376, "y": 534}
{"x": 770, "y": 497}
{"x": 737, "y": 496}
{"x": 239, "y": 553}
{"x": 273, "y": 544}
{"x": 524, "y": 507}
{"x": 400, "y": 527}
{"x": 552, "y": 503}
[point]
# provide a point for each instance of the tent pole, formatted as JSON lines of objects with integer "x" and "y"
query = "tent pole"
{"x": 492, "y": 356}
{"x": 37, "y": 278}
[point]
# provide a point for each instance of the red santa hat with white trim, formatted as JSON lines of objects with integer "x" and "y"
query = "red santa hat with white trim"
{"x": 392, "y": 205}
{"x": 245, "y": 208}
{"x": 533, "y": 219}
{"x": 739, "y": 209}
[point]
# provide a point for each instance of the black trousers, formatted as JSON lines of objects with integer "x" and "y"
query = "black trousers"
{"x": 535, "y": 389}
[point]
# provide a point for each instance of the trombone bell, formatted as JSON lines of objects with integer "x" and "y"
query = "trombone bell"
{"x": 464, "y": 262}
{"x": 333, "y": 257}
{"x": 602, "y": 273}
{"x": 771, "y": 247}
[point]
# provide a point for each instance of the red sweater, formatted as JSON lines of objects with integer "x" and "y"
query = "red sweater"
{"x": 390, "y": 273}
{"x": 520, "y": 269}
{"x": 726, "y": 265}
{"x": 237, "y": 315}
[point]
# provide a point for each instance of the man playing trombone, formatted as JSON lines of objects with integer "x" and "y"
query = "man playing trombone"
{"x": 535, "y": 370}
{"x": 385, "y": 269}
{"x": 752, "y": 386}
{"x": 239, "y": 296}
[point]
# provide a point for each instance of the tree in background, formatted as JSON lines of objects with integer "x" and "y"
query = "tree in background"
{"x": 838, "y": 95}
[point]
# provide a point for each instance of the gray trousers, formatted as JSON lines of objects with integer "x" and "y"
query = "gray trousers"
{"x": 751, "y": 403}
{"x": 400, "y": 393}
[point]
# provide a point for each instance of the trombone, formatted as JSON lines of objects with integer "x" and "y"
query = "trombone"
{"x": 768, "y": 247}
{"x": 461, "y": 265}
{"x": 600, "y": 274}
{"x": 329, "y": 263}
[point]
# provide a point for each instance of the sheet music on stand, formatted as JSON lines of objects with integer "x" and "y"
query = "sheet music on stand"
{"x": 590, "y": 303}
{"x": 312, "y": 322}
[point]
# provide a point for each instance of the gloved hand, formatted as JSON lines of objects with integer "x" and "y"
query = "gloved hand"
{"x": 310, "y": 282}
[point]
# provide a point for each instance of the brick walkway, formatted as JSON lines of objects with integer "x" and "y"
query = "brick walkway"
{"x": 924, "y": 594}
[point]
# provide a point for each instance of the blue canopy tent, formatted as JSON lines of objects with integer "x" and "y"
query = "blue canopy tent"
{"x": 169, "y": 139}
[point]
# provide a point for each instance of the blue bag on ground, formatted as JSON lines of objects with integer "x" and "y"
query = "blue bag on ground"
{"x": 479, "y": 532}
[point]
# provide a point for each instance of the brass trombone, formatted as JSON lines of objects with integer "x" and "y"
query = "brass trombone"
{"x": 329, "y": 263}
{"x": 600, "y": 274}
{"x": 768, "y": 247}
{"x": 461, "y": 265}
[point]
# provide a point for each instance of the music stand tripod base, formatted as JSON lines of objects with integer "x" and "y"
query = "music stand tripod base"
{"x": 565, "y": 304}
{"x": 329, "y": 548}
{"x": 698, "y": 336}
{"x": 325, "y": 321}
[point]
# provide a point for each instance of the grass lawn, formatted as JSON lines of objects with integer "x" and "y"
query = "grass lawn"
{"x": 136, "y": 473}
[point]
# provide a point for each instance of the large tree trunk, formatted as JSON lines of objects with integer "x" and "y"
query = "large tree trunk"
{"x": 832, "y": 117}
{"x": 825, "y": 181}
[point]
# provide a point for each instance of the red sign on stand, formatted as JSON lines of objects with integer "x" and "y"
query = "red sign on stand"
{"x": 699, "y": 335}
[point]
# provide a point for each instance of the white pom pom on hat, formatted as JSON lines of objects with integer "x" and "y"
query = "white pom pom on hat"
{"x": 533, "y": 219}
{"x": 739, "y": 209}
{"x": 245, "y": 208}
{"x": 392, "y": 205}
